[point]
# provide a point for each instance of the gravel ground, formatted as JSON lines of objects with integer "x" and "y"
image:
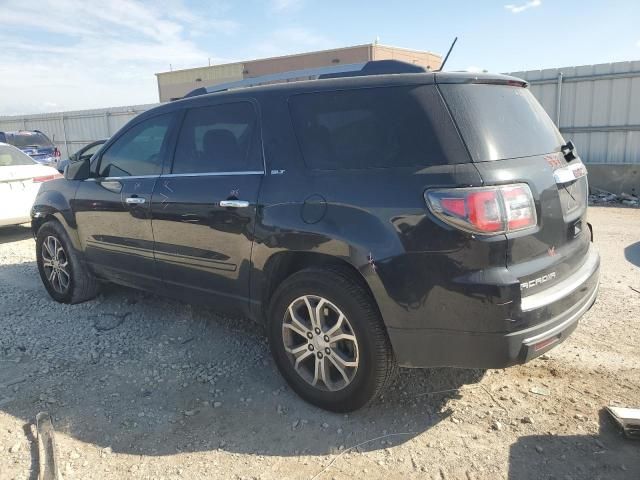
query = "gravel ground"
{"x": 144, "y": 387}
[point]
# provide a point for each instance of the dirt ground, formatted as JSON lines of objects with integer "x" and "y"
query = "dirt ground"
{"x": 144, "y": 387}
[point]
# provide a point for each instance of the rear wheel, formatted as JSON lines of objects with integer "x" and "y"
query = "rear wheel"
{"x": 329, "y": 341}
{"x": 63, "y": 273}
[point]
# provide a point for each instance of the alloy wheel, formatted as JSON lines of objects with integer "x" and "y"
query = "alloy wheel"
{"x": 320, "y": 343}
{"x": 56, "y": 264}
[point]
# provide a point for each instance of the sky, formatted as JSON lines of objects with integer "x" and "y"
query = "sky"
{"x": 62, "y": 55}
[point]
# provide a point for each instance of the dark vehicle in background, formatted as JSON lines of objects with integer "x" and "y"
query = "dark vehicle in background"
{"x": 85, "y": 153}
{"x": 35, "y": 144}
{"x": 369, "y": 220}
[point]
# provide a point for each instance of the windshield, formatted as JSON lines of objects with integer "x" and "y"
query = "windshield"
{"x": 11, "y": 157}
{"x": 501, "y": 121}
{"x": 29, "y": 139}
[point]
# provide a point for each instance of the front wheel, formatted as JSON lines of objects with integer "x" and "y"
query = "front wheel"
{"x": 63, "y": 273}
{"x": 328, "y": 339}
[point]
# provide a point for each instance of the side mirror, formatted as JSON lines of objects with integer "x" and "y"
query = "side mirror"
{"x": 78, "y": 170}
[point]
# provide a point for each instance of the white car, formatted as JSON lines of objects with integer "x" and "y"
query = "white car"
{"x": 20, "y": 179}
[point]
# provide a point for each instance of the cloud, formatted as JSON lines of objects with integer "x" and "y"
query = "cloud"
{"x": 291, "y": 40}
{"x": 67, "y": 54}
{"x": 282, "y": 5}
{"x": 524, "y": 6}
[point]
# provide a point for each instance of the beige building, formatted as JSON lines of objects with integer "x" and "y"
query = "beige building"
{"x": 176, "y": 84}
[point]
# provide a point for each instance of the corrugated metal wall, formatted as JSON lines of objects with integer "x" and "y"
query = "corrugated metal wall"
{"x": 71, "y": 131}
{"x": 597, "y": 106}
{"x": 176, "y": 84}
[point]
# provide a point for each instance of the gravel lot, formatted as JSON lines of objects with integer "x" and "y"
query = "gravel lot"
{"x": 144, "y": 387}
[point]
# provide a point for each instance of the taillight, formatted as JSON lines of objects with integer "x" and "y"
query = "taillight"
{"x": 485, "y": 210}
{"x": 56, "y": 152}
{"x": 46, "y": 178}
{"x": 518, "y": 202}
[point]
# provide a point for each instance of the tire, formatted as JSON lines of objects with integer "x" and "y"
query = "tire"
{"x": 75, "y": 283}
{"x": 329, "y": 293}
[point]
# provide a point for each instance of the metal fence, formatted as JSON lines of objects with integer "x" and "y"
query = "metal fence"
{"x": 70, "y": 131}
{"x": 597, "y": 106}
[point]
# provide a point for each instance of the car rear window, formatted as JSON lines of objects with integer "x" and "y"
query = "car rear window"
{"x": 28, "y": 139}
{"x": 365, "y": 128}
{"x": 501, "y": 121}
{"x": 10, "y": 157}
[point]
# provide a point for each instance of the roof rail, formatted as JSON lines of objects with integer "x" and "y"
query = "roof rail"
{"x": 379, "y": 67}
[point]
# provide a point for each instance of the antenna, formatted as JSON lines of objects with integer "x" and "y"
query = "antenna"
{"x": 447, "y": 55}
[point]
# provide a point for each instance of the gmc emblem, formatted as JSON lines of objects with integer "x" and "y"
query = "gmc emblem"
{"x": 554, "y": 160}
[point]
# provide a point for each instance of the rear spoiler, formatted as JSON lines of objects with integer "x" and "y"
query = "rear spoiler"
{"x": 486, "y": 79}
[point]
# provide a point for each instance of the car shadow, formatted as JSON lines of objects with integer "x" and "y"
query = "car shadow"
{"x": 15, "y": 233}
{"x": 632, "y": 253}
{"x": 146, "y": 375}
{"x": 605, "y": 455}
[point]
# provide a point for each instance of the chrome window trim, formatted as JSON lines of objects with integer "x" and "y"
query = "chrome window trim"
{"x": 106, "y": 179}
{"x": 172, "y": 175}
{"x": 212, "y": 174}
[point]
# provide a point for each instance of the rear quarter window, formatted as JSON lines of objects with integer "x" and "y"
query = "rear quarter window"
{"x": 382, "y": 127}
{"x": 501, "y": 121}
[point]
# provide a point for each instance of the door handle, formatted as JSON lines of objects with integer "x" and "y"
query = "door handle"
{"x": 135, "y": 200}
{"x": 234, "y": 203}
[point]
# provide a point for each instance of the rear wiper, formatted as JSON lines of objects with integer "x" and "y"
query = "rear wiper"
{"x": 569, "y": 151}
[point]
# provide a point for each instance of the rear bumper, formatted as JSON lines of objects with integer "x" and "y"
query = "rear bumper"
{"x": 426, "y": 347}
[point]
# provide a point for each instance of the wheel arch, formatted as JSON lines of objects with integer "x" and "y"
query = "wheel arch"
{"x": 282, "y": 265}
{"x": 52, "y": 205}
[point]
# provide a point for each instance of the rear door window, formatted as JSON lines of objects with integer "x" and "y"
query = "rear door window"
{"x": 501, "y": 121}
{"x": 381, "y": 127}
{"x": 219, "y": 139}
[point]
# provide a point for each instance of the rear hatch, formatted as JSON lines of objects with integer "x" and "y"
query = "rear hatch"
{"x": 34, "y": 144}
{"x": 511, "y": 139}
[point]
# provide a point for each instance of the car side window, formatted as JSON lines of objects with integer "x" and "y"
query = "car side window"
{"x": 88, "y": 153}
{"x": 381, "y": 127}
{"x": 139, "y": 151}
{"x": 219, "y": 138}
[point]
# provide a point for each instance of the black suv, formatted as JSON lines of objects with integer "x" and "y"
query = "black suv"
{"x": 369, "y": 220}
